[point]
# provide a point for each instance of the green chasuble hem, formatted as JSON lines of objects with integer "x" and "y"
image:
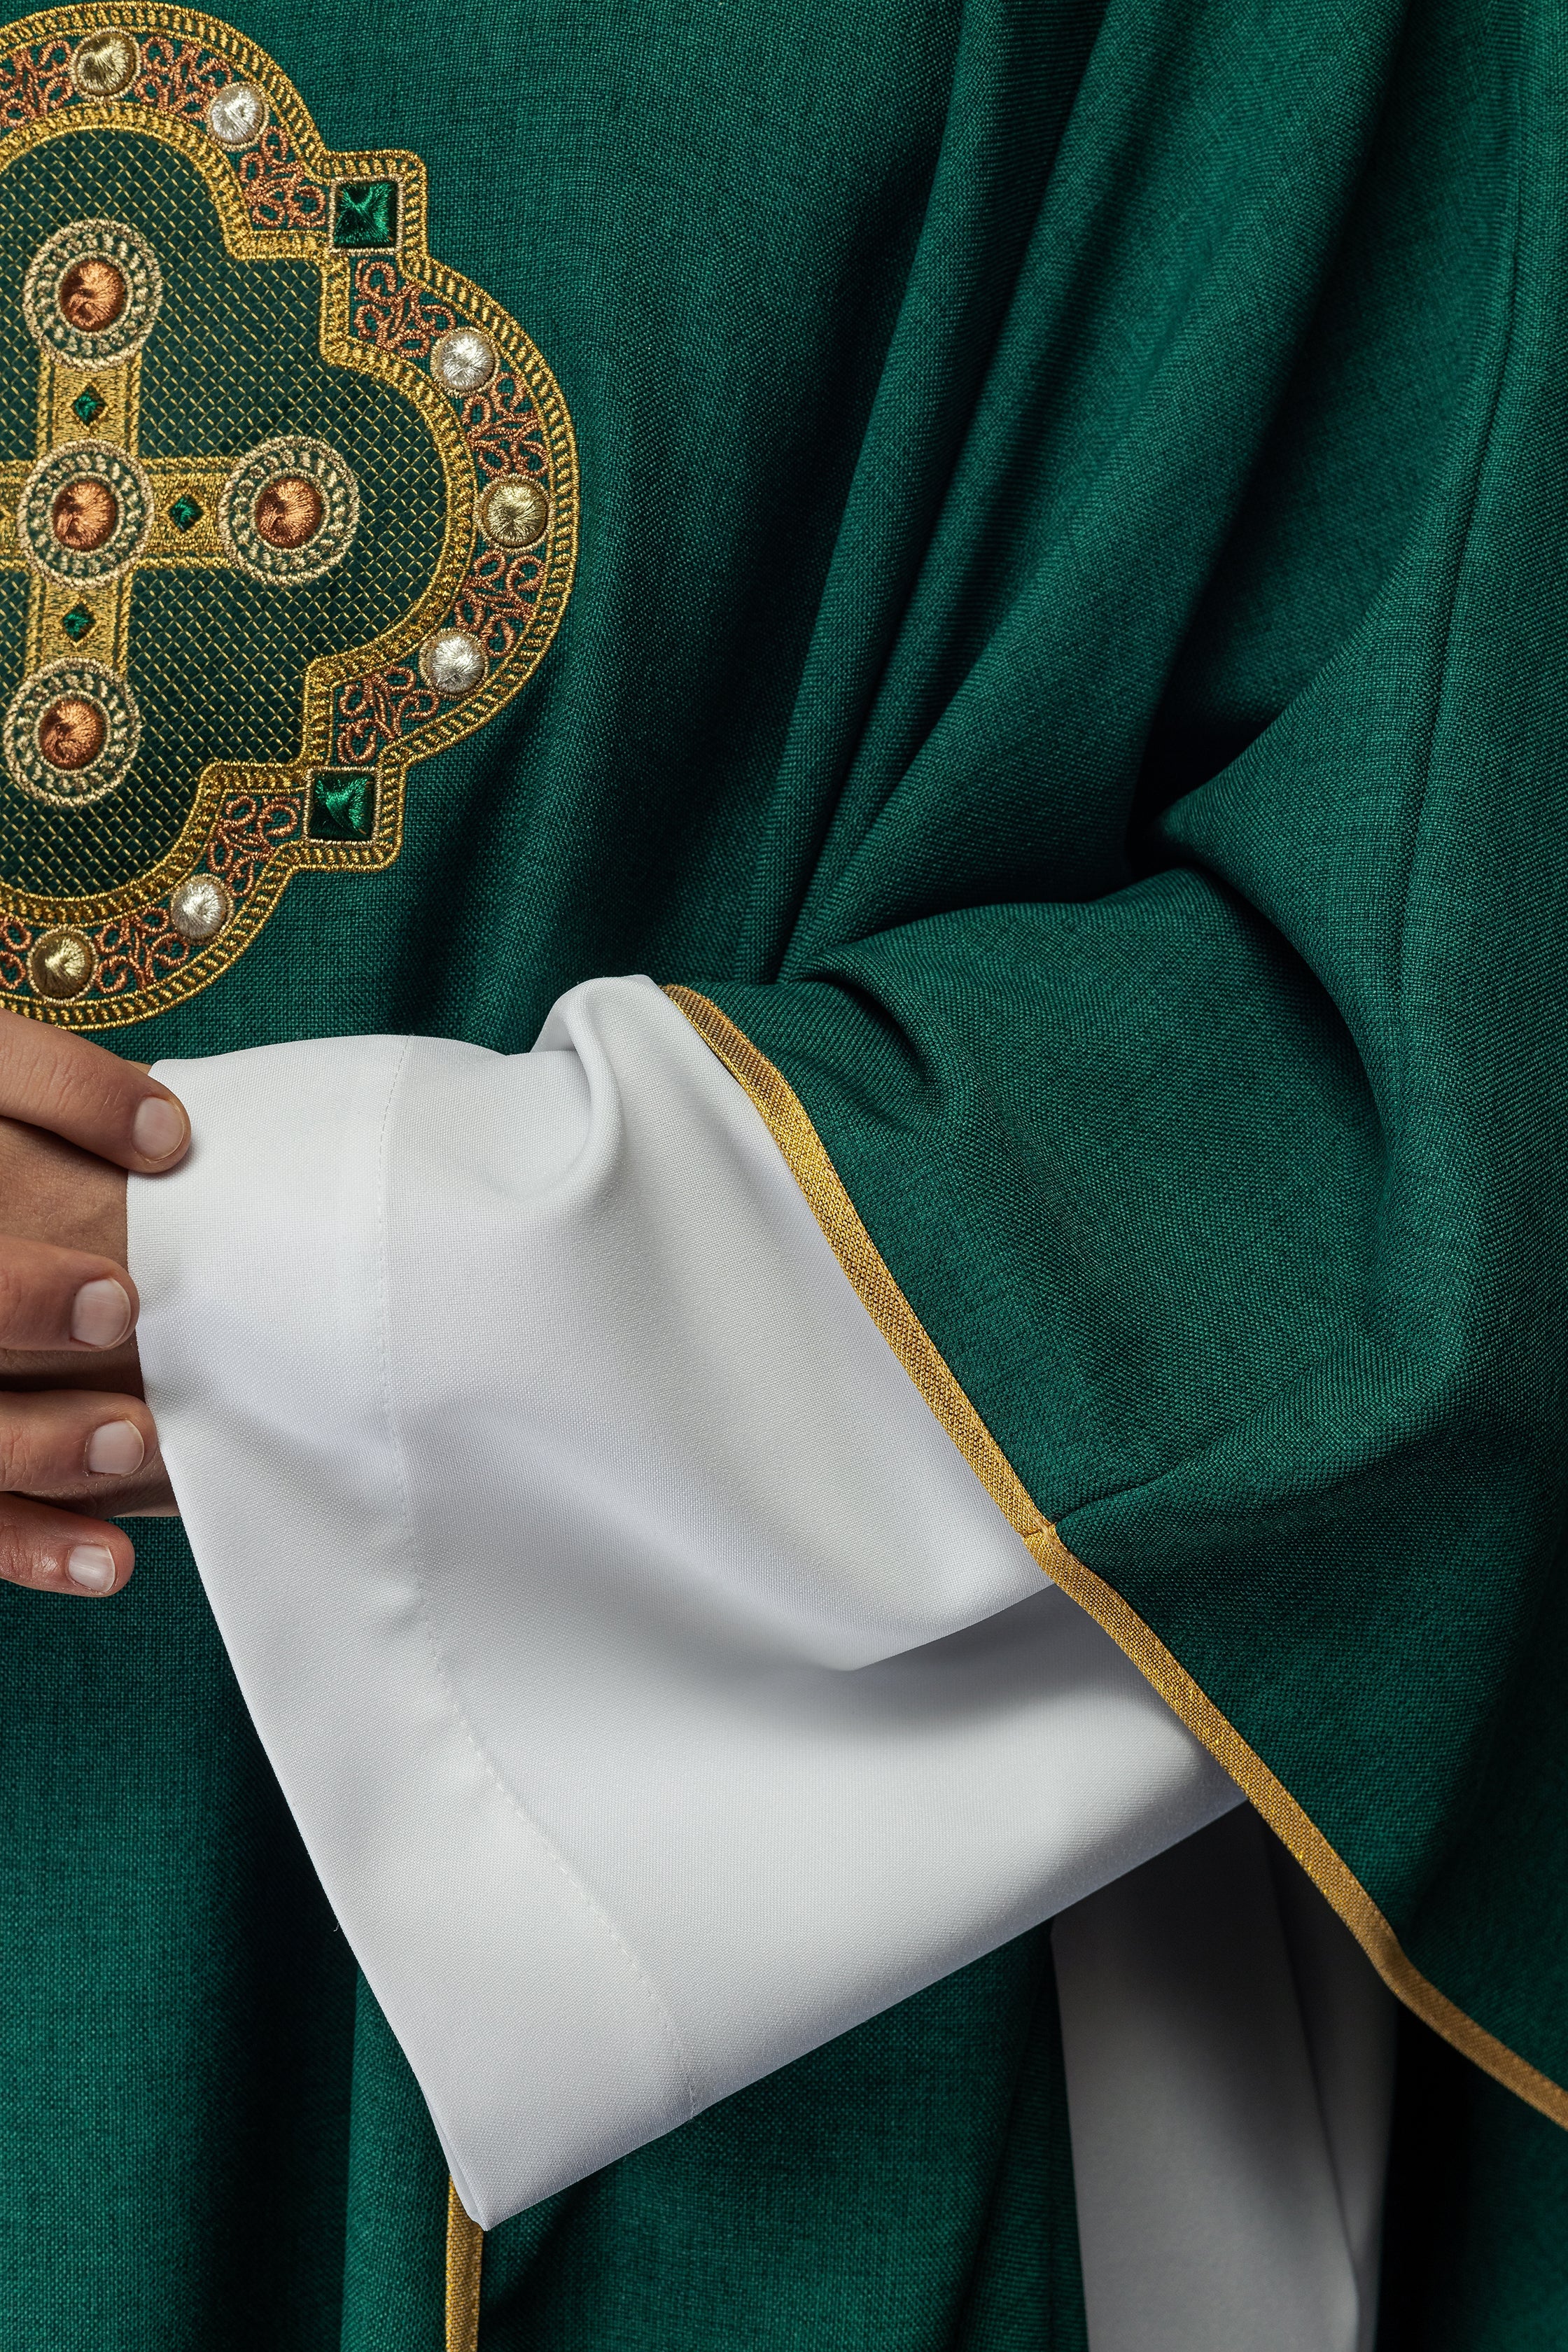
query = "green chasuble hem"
{"x": 807, "y": 1160}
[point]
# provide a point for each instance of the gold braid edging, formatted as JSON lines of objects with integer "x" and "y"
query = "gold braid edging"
{"x": 835, "y": 1212}
{"x": 465, "y": 2254}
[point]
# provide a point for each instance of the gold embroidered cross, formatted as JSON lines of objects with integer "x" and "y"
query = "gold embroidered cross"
{"x": 91, "y": 512}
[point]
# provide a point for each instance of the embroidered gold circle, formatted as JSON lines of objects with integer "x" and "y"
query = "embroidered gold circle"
{"x": 200, "y": 906}
{"x": 463, "y": 359}
{"x": 92, "y": 293}
{"x": 236, "y": 115}
{"x": 70, "y": 733}
{"x": 514, "y": 511}
{"x": 105, "y": 63}
{"x": 62, "y": 964}
{"x": 85, "y": 512}
{"x": 451, "y": 661}
{"x": 289, "y": 510}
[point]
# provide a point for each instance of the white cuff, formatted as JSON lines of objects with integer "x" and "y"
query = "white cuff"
{"x": 658, "y": 1692}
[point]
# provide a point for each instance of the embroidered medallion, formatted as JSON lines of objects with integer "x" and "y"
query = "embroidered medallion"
{"x": 84, "y": 511}
{"x": 71, "y": 733}
{"x": 289, "y": 510}
{"x": 287, "y": 505}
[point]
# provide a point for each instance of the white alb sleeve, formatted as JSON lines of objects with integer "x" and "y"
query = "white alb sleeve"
{"x": 658, "y": 1692}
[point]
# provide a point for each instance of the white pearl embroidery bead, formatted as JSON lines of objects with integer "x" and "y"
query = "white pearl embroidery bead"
{"x": 464, "y": 359}
{"x": 200, "y": 906}
{"x": 451, "y": 661}
{"x": 236, "y": 114}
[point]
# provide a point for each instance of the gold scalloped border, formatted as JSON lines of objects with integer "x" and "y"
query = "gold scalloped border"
{"x": 558, "y": 552}
{"x": 803, "y": 1148}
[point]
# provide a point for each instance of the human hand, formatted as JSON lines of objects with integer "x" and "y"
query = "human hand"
{"x": 74, "y": 1428}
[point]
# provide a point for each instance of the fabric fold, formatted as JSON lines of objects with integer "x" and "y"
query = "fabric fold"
{"x": 657, "y": 1691}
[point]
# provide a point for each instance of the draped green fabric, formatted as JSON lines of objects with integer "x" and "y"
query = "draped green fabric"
{"x": 1177, "y": 977}
{"x": 1068, "y": 651}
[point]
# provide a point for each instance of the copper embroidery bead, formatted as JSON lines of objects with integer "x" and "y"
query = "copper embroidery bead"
{"x": 91, "y": 294}
{"x": 289, "y": 511}
{"x": 514, "y": 511}
{"x": 84, "y": 514}
{"x": 463, "y": 359}
{"x": 71, "y": 732}
{"x": 105, "y": 64}
{"x": 451, "y": 661}
{"x": 62, "y": 964}
{"x": 200, "y": 908}
{"x": 236, "y": 115}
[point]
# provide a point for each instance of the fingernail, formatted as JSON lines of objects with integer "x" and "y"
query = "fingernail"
{"x": 158, "y": 1129}
{"x": 100, "y": 1313}
{"x": 92, "y": 1566}
{"x": 116, "y": 1449}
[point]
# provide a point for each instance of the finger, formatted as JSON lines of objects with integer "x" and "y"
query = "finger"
{"x": 62, "y": 1299}
{"x": 55, "y": 1080}
{"x": 60, "y": 1551}
{"x": 73, "y": 1444}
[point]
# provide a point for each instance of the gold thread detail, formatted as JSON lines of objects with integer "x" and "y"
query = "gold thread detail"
{"x": 465, "y": 2257}
{"x": 105, "y": 64}
{"x": 803, "y": 1148}
{"x": 62, "y": 964}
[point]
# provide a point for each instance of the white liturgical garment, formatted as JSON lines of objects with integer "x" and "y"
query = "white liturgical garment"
{"x": 658, "y": 1692}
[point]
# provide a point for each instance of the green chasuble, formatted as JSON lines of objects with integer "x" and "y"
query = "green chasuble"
{"x": 1067, "y": 668}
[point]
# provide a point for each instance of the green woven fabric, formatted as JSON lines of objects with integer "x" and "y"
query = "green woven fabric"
{"x": 1178, "y": 975}
{"x": 1068, "y": 648}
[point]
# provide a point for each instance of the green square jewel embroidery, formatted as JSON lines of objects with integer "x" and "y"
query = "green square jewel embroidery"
{"x": 342, "y": 805}
{"x": 77, "y": 622}
{"x": 364, "y": 213}
{"x": 184, "y": 512}
{"x": 89, "y": 405}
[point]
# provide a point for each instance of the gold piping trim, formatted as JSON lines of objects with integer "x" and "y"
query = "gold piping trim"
{"x": 465, "y": 2255}
{"x": 835, "y": 1212}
